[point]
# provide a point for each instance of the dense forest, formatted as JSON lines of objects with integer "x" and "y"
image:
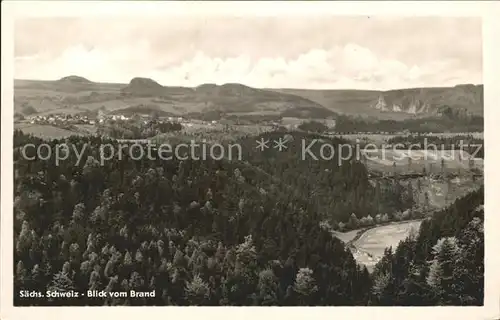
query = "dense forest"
{"x": 198, "y": 232}
{"x": 444, "y": 123}
{"x": 442, "y": 265}
{"x": 338, "y": 188}
{"x": 207, "y": 232}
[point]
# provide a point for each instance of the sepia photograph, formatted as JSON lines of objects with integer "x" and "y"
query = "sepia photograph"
{"x": 247, "y": 160}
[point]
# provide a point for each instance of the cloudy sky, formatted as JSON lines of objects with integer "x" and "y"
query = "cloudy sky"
{"x": 274, "y": 52}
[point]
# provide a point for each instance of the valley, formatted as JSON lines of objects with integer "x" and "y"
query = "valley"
{"x": 368, "y": 244}
{"x": 75, "y": 94}
{"x": 369, "y": 202}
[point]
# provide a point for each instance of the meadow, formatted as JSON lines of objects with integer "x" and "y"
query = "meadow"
{"x": 371, "y": 244}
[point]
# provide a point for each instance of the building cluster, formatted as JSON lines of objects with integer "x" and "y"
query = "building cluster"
{"x": 60, "y": 119}
{"x": 292, "y": 123}
{"x": 146, "y": 119}
{"x": 399, "y": 133}
{"x": 289, "y": 123}
{"x": 103, "y": 119}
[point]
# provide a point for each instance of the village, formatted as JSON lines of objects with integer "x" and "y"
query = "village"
{"x": 288, "y": 123}
{"x": 98, "y": 119}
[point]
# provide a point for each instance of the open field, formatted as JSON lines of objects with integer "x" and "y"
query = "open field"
{"x": 46, "y": 131}
{"x": 442, "y": 193}
{"x": 371, "y": 244}
{"x": 86, "y": 128}
{"x": 432, "y": 161}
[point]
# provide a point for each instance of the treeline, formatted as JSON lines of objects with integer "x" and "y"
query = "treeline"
{"x": 136, "y": 129}
{"x": 313, "y": 126}
{"x": 236, "y": 118}
{"x": 432, "y": 124}
{"x": 442, "y": 265}
{"x": 195, "y": 232}
{"x": 460, "y": 114}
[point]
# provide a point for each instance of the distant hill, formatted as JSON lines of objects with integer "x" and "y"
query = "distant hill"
{"x": 144, "y": 87}
{"x": 237, "y": 100}
{"x": 231, "y": 98}
{"x": 74, "y": 79}
{"x": 396, "y": 104}
{"x": 429, "y": 100}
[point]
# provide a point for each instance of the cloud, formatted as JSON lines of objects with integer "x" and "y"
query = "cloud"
{"x": 350, "y": 66}
{"x": 97, "y": 64}
{"x": 344, "y": 52}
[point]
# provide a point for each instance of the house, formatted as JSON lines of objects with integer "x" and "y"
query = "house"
{"x": 291, "y": 122}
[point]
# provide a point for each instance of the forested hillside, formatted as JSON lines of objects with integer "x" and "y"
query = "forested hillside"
{"x": 336, "y": 188}
{"x": 207, "y": 232}
{"x": 197, "y": 232}
{"x": 442, "y": 265}
{"x": 442, "y": 123}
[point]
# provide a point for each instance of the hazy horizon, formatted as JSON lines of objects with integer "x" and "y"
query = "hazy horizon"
{"x": 256, "y": 87}
{"x": 336, "y": 52}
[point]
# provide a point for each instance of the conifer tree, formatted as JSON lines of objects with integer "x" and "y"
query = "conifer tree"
{"x": 305, "y": 286}
{"x": 440, "y": 277}
{"x": 197, "y": 291}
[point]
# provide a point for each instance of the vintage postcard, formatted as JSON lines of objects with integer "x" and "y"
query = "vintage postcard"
{"x": 306, "y": 154}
